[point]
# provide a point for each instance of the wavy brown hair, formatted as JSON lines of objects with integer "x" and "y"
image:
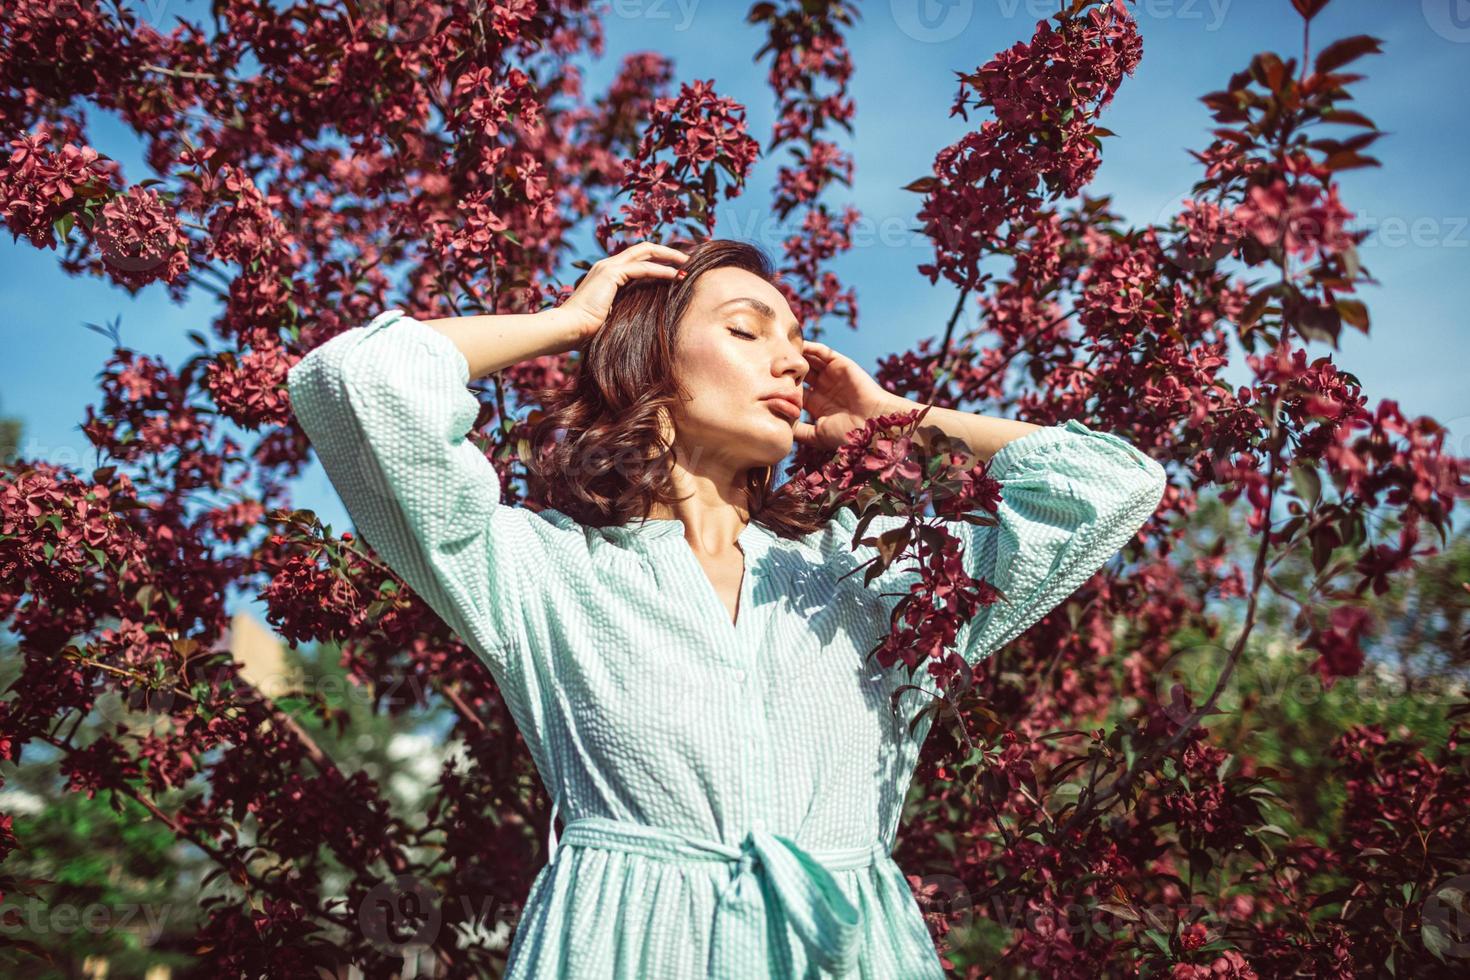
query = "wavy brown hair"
{"x": 600, "y": 451}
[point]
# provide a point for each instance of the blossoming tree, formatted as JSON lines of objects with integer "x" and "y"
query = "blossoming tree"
{"x": 315, "y": 164}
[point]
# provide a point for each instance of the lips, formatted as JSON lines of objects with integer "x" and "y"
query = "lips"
{"x": 786, "y": 406}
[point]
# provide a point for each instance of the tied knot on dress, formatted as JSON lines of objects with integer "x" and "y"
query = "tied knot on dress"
{"x": 747, "y": 860}
{"x": 774, "y": 883}
{"x": 776, "y": 874}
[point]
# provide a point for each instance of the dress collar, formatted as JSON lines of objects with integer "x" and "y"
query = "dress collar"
{"x": 669, "y": 531}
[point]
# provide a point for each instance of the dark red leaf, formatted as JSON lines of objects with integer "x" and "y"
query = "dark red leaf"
{"x": 1347, "y": 117}
{"x": 1339, "y": 53}
{"x": 1309, "y": 8}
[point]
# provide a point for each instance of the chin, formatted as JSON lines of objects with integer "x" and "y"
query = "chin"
{"x": 766, "y": 447}
{"x": 778, "y": 450}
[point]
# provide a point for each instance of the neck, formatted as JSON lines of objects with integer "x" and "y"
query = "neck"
{"x": 713, "y": 509}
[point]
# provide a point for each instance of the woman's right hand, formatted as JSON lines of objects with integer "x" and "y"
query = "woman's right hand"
{"x": 587, "y": 309}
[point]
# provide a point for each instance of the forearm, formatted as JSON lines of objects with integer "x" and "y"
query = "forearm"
{"x": 490, "y": 342}
{"x": 984, "y": 434}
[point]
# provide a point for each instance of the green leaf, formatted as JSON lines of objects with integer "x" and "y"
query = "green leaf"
{"x": 1307, "y": 482}
{"x": 290, "y": 705}
{"x": 1435, "y": 940}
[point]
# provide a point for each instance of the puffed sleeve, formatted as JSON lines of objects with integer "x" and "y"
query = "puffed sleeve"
{"x": 387, "y": 410}
{"x": 1071, "y": 498}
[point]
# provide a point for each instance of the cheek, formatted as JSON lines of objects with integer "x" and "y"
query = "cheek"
{"x": 714, "y": 376}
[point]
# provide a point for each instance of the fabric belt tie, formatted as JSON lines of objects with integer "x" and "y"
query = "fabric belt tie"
{"x": 773, "y": 878}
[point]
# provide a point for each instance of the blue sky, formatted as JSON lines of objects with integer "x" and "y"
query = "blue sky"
{"x": 905, "y": 59}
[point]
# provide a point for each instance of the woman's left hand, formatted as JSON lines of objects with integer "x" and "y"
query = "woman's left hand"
{"x": 840, "y": 396}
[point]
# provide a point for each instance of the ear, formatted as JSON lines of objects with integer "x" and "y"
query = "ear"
{"x": 665, "y": 427}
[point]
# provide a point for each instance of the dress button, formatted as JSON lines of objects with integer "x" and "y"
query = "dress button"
{"x": 740, "y": 676}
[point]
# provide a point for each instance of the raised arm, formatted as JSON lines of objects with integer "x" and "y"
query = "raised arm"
{"x": 387, "y": 409}
{"x": 1071, "y": 498}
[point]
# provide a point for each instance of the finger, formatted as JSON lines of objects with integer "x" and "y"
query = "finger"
{"x": 821, "y": 349}
{"x": 648, "y": 267}
{"x": 646, "y": 249}
{"x": 804, "y": 432}
{"x": 668, "y": 252}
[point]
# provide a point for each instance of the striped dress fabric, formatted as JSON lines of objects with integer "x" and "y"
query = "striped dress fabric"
{"x": 731, "y": 791}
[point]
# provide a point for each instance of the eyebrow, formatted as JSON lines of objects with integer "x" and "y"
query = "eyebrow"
{"x": 764, "y": 310}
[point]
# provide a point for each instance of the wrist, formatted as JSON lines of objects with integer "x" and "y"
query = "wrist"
{"x": 891, "y": 403}
{"x": 567, "y": 329}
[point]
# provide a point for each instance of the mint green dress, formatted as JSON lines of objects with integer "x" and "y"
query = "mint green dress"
{"x": 731, "y": 792}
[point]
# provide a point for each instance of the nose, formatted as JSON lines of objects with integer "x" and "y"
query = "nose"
{"x": 793, "y": 362}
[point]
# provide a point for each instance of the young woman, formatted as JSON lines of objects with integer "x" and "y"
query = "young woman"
{"x": 677, "y": 641}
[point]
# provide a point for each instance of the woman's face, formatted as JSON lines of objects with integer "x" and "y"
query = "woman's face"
{"x": 738, "y": 347}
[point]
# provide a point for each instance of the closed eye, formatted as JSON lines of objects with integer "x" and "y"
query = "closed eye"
{"x": 741, "y": 333}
